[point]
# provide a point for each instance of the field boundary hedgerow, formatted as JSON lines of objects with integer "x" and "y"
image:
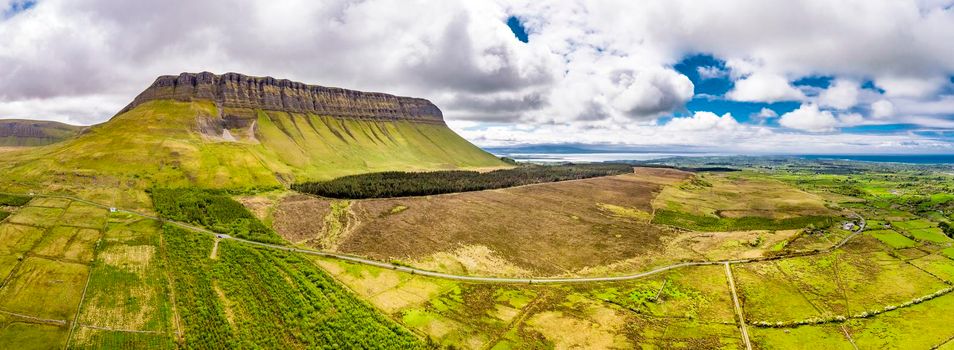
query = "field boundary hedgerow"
{"x": 843, "y": 318}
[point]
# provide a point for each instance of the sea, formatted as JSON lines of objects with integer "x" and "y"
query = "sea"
{"x": 541, "y": 157}
{"x": 594, "y": 156}
{"x": 891, "y": 158}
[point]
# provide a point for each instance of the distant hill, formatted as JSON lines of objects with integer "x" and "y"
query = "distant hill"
{"x": 20, "y": 133}
{"x": 237, "y": 131}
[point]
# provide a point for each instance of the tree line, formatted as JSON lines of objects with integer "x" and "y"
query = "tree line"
{"x": 402, "y": 184}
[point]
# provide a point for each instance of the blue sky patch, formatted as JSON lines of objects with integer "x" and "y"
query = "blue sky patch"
{"x": 821, "y": 82}
{"x": 707, "y": 73}
{"x": 516, "y": 26}
{"x": 711, "y": 79}
{"x": 17, "y": 7}
{"x": 881, "y": 129}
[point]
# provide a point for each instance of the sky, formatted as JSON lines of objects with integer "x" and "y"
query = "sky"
{"x": 736, "y": 76}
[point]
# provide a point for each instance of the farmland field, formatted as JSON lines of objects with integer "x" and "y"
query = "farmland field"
{"x": 892, "y": 238}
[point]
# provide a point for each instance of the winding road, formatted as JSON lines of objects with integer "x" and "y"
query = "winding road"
{"x": 483, "y": 279}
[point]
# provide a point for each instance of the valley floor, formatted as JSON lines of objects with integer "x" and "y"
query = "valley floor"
{"x": 117, "y": 280}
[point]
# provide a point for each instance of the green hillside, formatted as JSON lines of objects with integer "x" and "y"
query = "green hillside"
{"x": 162, "y": 143}
{"x": 26, "y": 133}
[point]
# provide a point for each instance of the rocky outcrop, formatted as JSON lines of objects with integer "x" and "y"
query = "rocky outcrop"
{"x": 237, "y": 91}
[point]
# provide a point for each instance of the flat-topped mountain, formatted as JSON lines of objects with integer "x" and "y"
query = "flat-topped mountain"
{"x": 238, "y": 91}
{"x": 236, "y": 131}
{"x": 19, "y": 132}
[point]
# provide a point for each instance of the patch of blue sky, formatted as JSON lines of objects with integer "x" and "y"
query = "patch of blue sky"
{"x": 881, "y": 128}
{"x": 816, "y": 81}
{"x": 519, "y": 31}
{"x": 18, "y": 6}
{"x": 741, "y": 111}
{"x": 708, "y": 74}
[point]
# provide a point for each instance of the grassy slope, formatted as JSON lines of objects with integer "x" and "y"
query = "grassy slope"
{"x": 51, "y": 132}
{"x": 312, "y": 147}
{"x": 156, "y": 143}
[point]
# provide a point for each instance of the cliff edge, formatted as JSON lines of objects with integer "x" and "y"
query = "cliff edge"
{"x": 239, "y": 91}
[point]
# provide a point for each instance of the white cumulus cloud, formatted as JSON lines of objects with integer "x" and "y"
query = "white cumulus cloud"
{"x": 842, "y": 94}
{"x": 703, "y": 121}
{"x": 764, "y": 87}
{"x": 809, "y": 118}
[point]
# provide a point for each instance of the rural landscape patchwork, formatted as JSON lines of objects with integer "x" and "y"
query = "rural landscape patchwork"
{"x": 241, "y": 211}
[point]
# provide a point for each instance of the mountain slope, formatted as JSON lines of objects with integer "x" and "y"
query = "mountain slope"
{"x": 234, "y": 131}
{"x": 20, "y": 133}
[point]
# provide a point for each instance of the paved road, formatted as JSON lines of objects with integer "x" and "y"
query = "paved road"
{"x": 487, "y": 279}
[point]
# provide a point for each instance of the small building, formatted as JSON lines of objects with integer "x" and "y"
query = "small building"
{"x": 112, "y": 210}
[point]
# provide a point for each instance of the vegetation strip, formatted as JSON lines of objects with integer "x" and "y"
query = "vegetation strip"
{"x": 509, "y": 280}
{"x": 33, "y": 318}
{"x": 120, "y": 330}
{"x": 864, "y": 314}
{"x": 738, "y": 307}
{"x": 404, "y": 184}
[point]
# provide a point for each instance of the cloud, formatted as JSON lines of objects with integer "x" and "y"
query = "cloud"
{"x": 590, "y": 69}
{"x": 917, "y": 87}
{"x": 882, "y": 109}
{"x": 709, "y": 72}
{"x": 764, "y": 87}
{"x": 765, "y": 113}
{"x": 842, "y": 94}
{"x": 850, "y": 119}
{"x": 651, "y": 92}
{"x": 703, "y": 121}
{"x": 809, "y": 118}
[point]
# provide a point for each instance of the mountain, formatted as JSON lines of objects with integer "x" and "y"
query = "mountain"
{"x": 238, "y": 131}
{"x": 20, "y": 133}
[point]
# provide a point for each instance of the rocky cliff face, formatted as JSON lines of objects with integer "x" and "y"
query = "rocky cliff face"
{"x": 237, "y": 91}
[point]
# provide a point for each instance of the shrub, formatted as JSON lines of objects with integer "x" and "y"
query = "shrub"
{"x": 14, "y": 200}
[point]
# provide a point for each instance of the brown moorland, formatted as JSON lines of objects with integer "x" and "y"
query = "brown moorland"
{"x": 545, "y": 229}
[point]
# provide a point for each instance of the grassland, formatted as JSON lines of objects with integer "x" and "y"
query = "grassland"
{"x": 720, "y": 202}
{"x": 684, "y": 308}
{"x": 892, "y": 238}
{"x": 737, "y": 195}
{"x": 128, "y": 300}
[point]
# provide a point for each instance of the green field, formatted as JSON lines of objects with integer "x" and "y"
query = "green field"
{"x": 892, "y": 238}
{"x": 717, "y": 224}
